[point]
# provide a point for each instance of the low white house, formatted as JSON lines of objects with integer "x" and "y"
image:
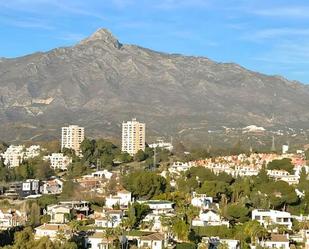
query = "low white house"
{"x": 123, "y": 198}
{"x": 209, "y": 218}
{"x": 110, "y": 219}
{"x": 178, "y": 167}
{"x": 97, "y": 241}
{"x": 52, "y": 231}
{"x": 276, "y": 241}
{"x": 152, "y": 241}
{"x": 159, "y": 206}
{"x": 102, "y": 174}
{"x": 269, "y": 217}
{"x": 59, "y": 161}
{"x": 214, "y": 242}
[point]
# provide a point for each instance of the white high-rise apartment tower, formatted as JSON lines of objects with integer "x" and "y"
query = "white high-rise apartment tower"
{"x": 71, "y": 137}
{"x": 133, "y": 136}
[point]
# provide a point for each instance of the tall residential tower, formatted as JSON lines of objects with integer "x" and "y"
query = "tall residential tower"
{"x": 133, "y": 136}
{"x": 71, "y": 138}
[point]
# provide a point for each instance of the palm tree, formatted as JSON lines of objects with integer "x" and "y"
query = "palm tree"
{"x": 166, "y": 222}
{"x": 75, "y": 225}
{"x": 255, "y": 231}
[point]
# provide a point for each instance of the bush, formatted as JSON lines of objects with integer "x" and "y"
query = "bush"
{"x": 186, "y": 246}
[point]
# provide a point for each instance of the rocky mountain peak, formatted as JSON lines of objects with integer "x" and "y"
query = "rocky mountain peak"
{"x": 104, "y": 36}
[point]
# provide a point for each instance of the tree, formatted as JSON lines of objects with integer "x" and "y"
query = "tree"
{"x": 214, "y": 188}
{"x": 21, "y": 238}
{"x": 69, "y": 189}
{"x": 237, "y": 213}
{"x": 283, "y": 164}
{"x": 136, "y": 213}
{"x": 181, "y": 229}
{"x": 255, "y": 231}
{"x": 34, "y": 214}
{"x": 144, "y": 184}
{"x": 140, "y": 156}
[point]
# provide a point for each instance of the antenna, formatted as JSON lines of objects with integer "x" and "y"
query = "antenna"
{"x": 273, "y": 146}
{"x": 98, "y": 164}
{"x": 154, "y": 156}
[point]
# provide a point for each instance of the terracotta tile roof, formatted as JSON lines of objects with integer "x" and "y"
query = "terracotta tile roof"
{"x": 55, "y": 227}
{"x": 154, "y": 236}
{"x": 279, "y": 238}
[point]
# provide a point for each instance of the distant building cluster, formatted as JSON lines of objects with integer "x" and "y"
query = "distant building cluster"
{"x": 15, "y": 155}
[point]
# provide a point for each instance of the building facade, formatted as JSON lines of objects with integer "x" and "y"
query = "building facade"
{"x": 71, "y": 138}
{"x": 59, "y": 161}
{"x": 133, "y": 136}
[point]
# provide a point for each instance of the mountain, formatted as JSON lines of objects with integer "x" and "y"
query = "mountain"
{"x": 100, "y": 82}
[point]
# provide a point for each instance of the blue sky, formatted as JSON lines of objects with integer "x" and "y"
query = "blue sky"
{"x": 269, "y": 36}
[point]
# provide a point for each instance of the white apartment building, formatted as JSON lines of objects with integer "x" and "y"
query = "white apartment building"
{"x": 133, "y": 136}
{"x": 71, "y": 137}
{"x": 16, "y": 154}
{"x": 59, "y": 161}
{"x": 269, "y": 217}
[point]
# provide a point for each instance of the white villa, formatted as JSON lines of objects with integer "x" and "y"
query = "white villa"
{"x": 111, "y": 218}
{"x": 52, "y": 231}
{"x": 269, "y": 217}
{"x": 97, "y": 241}
{"x": 159, "y": 206}
{"x": 152, "y": 241}
{"x": 209, "y": 218}
{"x": 123, "y": 198}
{"x": 276, "y": 241}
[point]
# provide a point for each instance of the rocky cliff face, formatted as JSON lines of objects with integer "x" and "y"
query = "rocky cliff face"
{"x": 99, "y": 82}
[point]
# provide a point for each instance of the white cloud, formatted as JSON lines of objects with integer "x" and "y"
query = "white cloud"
{"x": 288, "y": 11}
{"x": 27, "y": 23}
{"x": 275, "y": 33}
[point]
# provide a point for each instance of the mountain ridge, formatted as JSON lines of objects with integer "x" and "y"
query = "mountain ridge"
{"x": 100, "y": 80}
